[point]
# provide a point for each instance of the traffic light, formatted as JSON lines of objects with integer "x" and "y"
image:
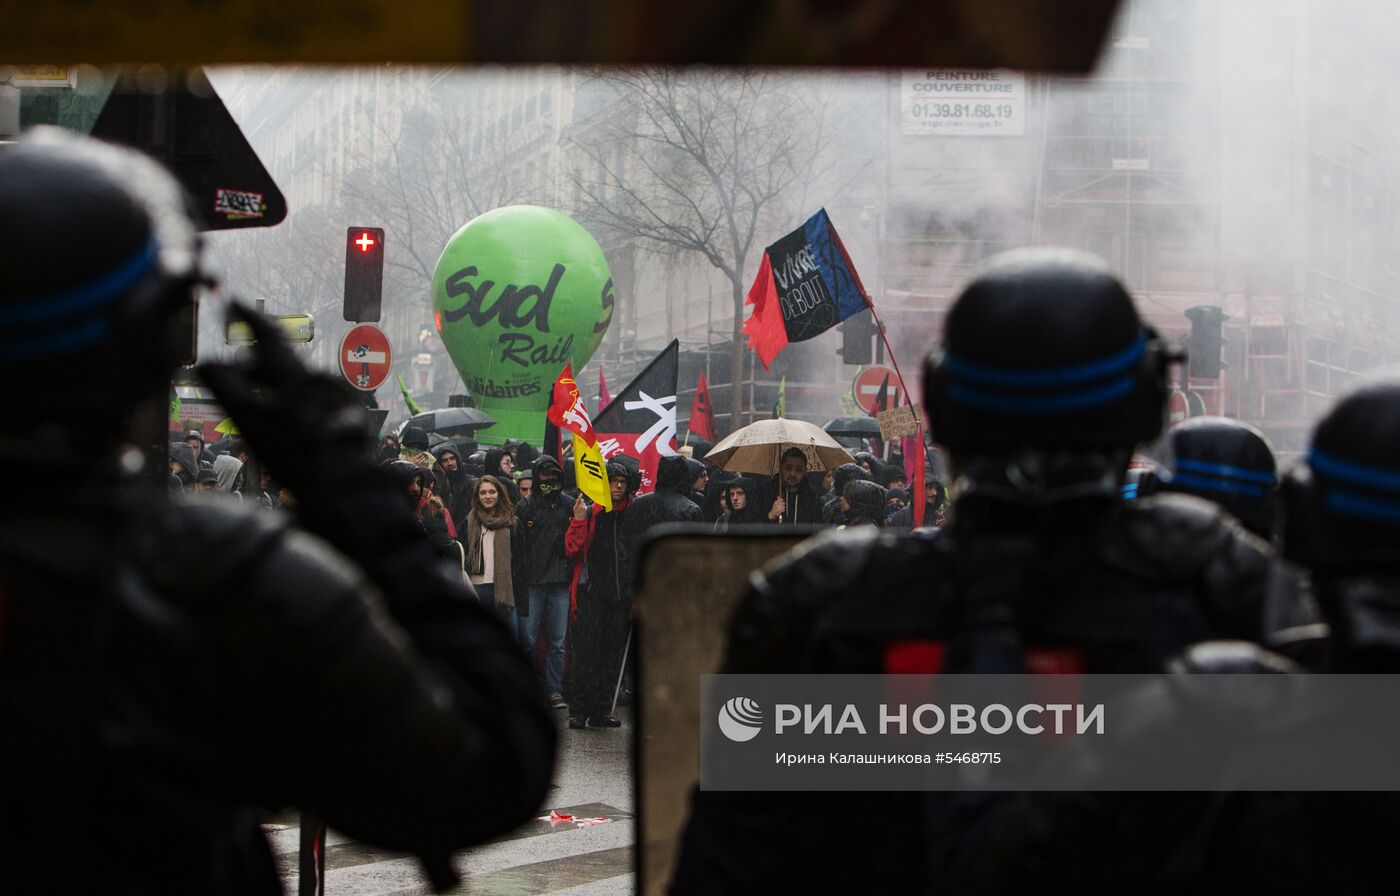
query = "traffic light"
{"x": 1206, "y": 343}
{"x": 364, "y": 273}
{"x": 856, "y": 334}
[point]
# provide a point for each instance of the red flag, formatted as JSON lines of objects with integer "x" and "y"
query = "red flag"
{"x": 567, "y": 410}
{"x": 766, "y": 329}
{"x": 920, "y": 473}
{"x": 702, "y": 413}
{"x": 604, "y": 399}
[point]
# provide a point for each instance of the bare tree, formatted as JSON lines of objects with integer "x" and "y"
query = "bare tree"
{"x": 426, "y": 181}
{"x": 706, "y": 163}
{"x": 417, "y": 173}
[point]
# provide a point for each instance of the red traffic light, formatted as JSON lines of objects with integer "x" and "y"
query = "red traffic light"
{"x": 364, "y": 273}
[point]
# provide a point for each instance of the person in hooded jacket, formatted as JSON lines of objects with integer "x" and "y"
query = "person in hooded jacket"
{"x": 227, "y": 469}
{"x": 544, "y": 519}
{"x": 863, "y": 504}
{"x": 795, "y": 500}
{"x": 601, "y": 601}
{"x": 184, "y": 466}
{"x": 717, "y": 494}
{"x": 896, "y": 499}
{"x": 745, "y": 505}
{"x": 669, "y": 503}
{"x": 699, "y": 483}
{"x": 935, "y": 502}
{"x": 455, "y": 486}
{"x": 841, "y": 476}
{"x": 500, "y": 464}
{"x": 410, "y": 478}
{"x": 415, "y": 448}
{"x": 870, "y": 463}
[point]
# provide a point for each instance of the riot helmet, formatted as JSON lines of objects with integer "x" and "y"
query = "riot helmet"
{"x": 1341, "y": 508}
{"x": 1045, "y": 380}
{"x": 1228, "y": 463}
{"x": 97, "y": 284}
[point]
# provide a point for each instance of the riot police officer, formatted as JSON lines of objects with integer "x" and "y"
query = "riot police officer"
{"x": 1340, "y": 512}
{"x": 1046, "y": 380}
{"x": 168, "y": 668}
{"x": 1226, "y": 461}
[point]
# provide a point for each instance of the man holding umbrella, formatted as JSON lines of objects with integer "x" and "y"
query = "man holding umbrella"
{"x": 787, "y": 450}
{"x": 795, "y": 502}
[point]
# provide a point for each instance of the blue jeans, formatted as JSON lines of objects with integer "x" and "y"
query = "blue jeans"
{"x": 548, "y": 603}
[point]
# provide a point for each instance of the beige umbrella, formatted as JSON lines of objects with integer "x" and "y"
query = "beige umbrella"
{"x": 759, "y": 447}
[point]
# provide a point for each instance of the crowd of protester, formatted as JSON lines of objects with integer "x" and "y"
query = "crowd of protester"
{"x": 556, "y": 568}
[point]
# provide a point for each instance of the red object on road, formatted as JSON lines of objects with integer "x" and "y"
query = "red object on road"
{"x": 365, "y": 357}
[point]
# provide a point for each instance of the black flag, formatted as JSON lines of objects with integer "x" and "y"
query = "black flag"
{"x": 640, "y": 421}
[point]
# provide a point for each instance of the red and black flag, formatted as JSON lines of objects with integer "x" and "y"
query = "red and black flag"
{"x": 805, "y": 286}
{"x": 702, "y": 413}
{"x": 882, "y": 403}
{"x": 641, "y": 421}
{"x": 882, "y": 398}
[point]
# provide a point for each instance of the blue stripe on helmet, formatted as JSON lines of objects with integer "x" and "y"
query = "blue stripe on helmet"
{"x": 1233, "y": 472}
{"x": 1031, "y": 405}
{"x": 1353, "y": 473}
{"x": 1047, "y": 377}
{"x": 1217, "y": 484}
{"x": 1129, "y": 491}
{"x": 19, "y": 348}
{"x": 1364, "y": 507}
{"x": 94, "y": 294}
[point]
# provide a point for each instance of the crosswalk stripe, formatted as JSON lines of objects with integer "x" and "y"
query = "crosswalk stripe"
{"x": 552, "y": 876}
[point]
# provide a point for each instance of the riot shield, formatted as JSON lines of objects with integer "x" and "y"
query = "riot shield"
{"x": 688, "y": 582}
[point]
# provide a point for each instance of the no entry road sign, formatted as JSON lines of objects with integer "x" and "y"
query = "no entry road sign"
{"x": 365, "y": 357}
{"x": 866, "y": 388}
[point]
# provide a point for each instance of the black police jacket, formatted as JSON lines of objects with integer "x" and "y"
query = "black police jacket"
{"x": 1123, "y": 590}
{"x": 169, "y": 671}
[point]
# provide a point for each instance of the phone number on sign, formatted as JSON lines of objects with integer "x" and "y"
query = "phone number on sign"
{"x": 962, "y": 110}
{"x": 969, "y": 758}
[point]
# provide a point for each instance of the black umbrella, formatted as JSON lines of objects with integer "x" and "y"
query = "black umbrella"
{"x": 861, "y": 427}
{"x": 452, "y": 421}
{"x": 700, "y": 447}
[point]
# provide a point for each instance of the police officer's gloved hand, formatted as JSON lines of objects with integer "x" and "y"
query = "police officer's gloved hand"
{"x": 310, "y": 431}
{"x": 296, "y": 420}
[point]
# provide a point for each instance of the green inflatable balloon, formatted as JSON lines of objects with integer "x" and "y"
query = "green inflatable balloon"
{"x": 518, "y": 293}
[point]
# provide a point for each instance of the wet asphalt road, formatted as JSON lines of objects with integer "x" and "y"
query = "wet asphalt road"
{"x": 590, "y": 855}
